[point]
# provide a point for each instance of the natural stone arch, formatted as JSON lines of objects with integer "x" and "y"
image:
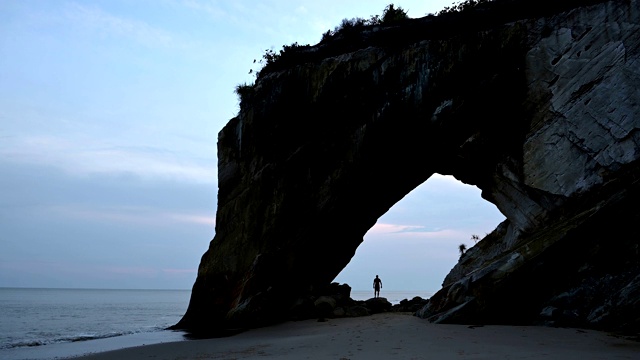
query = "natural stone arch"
{"x": 314, "y": 156}
{"x": 336, "y": 145}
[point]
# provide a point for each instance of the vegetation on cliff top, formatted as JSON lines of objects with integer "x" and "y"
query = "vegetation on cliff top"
{"x": 352, "y": 34}
{"x": 390, "y": 15}
{"x": 271, "y": 59}
{"x": 349, "y": 28}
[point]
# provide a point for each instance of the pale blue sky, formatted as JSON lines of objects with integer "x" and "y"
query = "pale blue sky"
{"x": 109, "y": 114}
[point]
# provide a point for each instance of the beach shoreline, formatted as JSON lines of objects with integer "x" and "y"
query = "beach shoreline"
{"x": 389, "y": 335}
{"x": 63, "y": 350}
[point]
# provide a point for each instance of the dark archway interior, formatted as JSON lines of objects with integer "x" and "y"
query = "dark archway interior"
{"x": 415, "y": 244}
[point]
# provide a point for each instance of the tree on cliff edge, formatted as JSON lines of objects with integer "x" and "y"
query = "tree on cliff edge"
{"x": 462, "y": 248}
{"x": 392, "y": 14}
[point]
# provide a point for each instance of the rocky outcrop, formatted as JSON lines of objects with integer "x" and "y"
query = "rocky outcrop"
{"x": 541, "y": 112}
{"x": 334, "y": 301}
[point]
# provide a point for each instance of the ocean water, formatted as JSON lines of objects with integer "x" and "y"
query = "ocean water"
{"x": 394, "y": 297}
{"x": 53, "y": 323}
{"x": 47, "y": 324}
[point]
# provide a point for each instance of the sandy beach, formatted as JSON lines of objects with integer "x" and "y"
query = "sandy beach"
{"x": 391, "y": 336}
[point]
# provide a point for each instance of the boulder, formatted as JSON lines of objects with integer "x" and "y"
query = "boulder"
{"x": 357, "y": 311}
{"x": 412, "y": 305}
{"x": 378, "y": 305}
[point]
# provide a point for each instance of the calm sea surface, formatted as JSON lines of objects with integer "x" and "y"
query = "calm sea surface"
{"x": 34, "y": 323}
{"x": 393, "y": 297}
{"x": 55, "y": 323}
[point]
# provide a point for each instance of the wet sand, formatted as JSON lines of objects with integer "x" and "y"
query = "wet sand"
{"x": 391, "y": 336}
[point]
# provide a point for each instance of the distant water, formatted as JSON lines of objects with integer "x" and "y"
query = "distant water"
{"x": 44, "y": 318}
{"x": 55, "y": 323}
{"x": 394, "y": 297}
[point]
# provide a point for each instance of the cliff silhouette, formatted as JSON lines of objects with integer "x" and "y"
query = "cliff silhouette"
{"x": 533, "y": 102}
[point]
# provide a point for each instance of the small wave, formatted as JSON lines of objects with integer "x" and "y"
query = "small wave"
{"x": 73, "y": 338}
{"x": 85, "y": 337}
{"x": 32, "y": 343}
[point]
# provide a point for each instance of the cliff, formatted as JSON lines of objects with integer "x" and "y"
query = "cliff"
{"x": 538, "y": 109}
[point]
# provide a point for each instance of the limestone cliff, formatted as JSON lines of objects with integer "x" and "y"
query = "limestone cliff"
{"x": 539, "y": 109}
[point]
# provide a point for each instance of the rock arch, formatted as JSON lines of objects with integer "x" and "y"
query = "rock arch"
{"x": 541, "y": 114}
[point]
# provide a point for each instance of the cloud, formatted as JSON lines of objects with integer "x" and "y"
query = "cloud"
{"x": 418, "y": 230}
{"x": 238, "y": 15}
{"x": 394, "y": 231}
{"x": 63, "y": 268}
{"x": 180, "y": 271}
{"x": 193, "y": 219}
{"x": 136, "y": 271}
{"x": 380, "y": 228}
{"x": 73, "y": 274}
{"x": 92, "y": 17}
{"x": 82, "y": 157}
{"x": 207, "y": 7}
{"x": 137, "y": 215}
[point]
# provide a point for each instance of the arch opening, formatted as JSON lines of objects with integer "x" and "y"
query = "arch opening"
{"x": 415, "y": 244}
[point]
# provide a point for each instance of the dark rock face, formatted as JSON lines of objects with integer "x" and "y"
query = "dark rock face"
{"x": 541, "y": 113}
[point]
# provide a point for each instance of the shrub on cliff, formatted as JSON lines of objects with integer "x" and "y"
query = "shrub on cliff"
{"x": 463, "y": 6}
{"x": 392, "y": 14}
{"x": 244, "y": 91}
{"x": 462, "y": 248}
{"x": 290, "y": 54}
{"x": 272, "y": 60}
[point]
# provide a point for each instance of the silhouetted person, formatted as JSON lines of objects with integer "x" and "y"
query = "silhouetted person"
{"x": 377, "y": 285}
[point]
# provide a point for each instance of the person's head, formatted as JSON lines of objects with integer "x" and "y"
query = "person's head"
{"x": 376, "y": 275}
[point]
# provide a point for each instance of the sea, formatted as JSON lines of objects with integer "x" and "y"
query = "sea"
{"x": 394, "y": 297}
{"x": 46, "y": 324}
{"x": 60, "y": 323}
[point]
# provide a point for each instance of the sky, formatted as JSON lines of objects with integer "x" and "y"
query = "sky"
{"x": 109, "y": 115}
